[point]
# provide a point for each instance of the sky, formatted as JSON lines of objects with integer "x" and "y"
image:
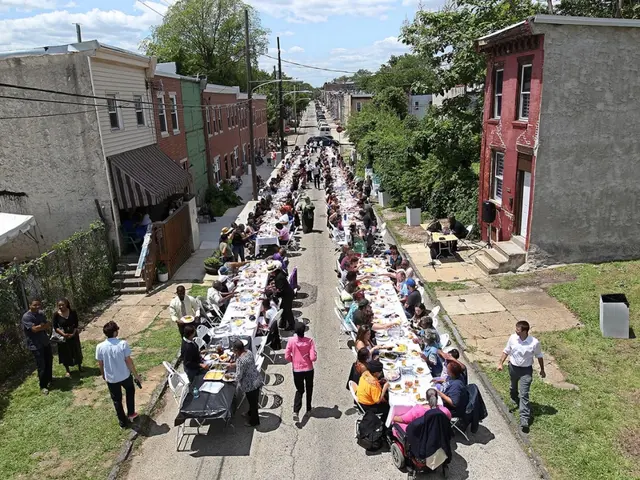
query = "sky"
{"x": 337, "y": 34}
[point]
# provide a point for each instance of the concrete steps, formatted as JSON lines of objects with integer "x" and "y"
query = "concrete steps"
{"x": 125, "y": 280}
{"x": 503, "y": 257}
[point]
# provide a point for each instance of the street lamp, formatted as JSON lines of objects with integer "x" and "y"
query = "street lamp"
{"x": 274, "y": 81}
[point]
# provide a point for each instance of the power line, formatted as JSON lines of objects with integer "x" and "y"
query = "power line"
{"x": 48, "y": 115}
{"x": 309, "y": 66}
{"x": 151, "y": 8}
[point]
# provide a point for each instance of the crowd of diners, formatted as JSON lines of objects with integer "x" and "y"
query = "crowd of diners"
{"x": 448, "y": 373}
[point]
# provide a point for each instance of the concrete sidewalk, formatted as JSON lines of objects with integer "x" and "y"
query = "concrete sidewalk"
{"x": 193, "y": 269}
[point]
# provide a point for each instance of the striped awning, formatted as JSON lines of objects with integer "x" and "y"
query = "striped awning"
{"x": 146, "y": 176}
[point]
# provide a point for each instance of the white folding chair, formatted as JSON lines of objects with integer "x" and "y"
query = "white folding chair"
{"x": 199, "y": 342}
{"x": 169, "y": 368}
{"x": 434, "y": 313}
{"x": 339, "y": 292}
{"x": 339, "y": 305}
{"x": 217, "y": 310}
{"x": 353, "y": 388}
{"x": 259, "y": 362}
{"x": 454, "y": 423}
{"x": 444, "y": 340}
{"x": 465, "y": 241}
{"x": 355, "y": 352}
{"x": 277, "y": 316}
{"x": 177, "y": 385}
{"x": 202, "y": 330}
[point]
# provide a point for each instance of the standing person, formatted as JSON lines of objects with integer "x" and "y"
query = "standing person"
{"x": 249, "y": 380}
{"x": 238, "y": 240}
{"x": 181, "y": 306}
{"x": 286, "y": 293}
{"x": 117, "y": 369}
{"x": 308, "y": 215}
{"x": 316, "y": 175}
{"x": 301, "y": 352}
{"x": 521, "y": 349}
{"x": 36, "y": 330}
{"x": 65, "y": 322}
{"x": 191, "y": 358}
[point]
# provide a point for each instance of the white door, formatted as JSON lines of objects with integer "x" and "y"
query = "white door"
{"x": 526, "y": 198}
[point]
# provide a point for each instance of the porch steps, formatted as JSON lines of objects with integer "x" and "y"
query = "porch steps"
{"x": 503, "y": 257}
{"x": 125, "y": 280}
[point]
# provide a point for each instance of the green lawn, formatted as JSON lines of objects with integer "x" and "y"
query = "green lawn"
{"x": 593, "y": 433}
{"x": 198, "y": 291}
{"x": 73, "y": 432}
{"x": 451, "y": 286}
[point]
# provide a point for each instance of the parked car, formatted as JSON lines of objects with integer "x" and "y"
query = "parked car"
{"x": 325, "y": 131}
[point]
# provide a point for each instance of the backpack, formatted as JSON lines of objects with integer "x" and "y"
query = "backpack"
{"x": 370, "y": 432}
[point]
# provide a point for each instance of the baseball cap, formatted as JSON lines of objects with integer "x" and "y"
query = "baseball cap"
{"x": 411, "y": 282}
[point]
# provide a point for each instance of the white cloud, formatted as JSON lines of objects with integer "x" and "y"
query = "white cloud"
{"x": 112, "y": 27}
{"x": 319, "y": 11}
{"x": 70, "y": 5}
{"x": 336, "y": 51}
{"x": 384, "y": 17}
{"x": 27, "y": 5}
{"x": 296, "y": 49}
{"x": 287, "y": 33}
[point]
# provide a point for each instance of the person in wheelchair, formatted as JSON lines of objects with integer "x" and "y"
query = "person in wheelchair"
{"x": 418, "y": 411}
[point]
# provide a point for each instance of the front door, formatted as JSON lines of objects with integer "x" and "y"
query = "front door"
{"x": 526, "y": 198}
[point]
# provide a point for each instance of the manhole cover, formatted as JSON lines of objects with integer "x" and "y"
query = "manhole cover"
{"x": 461, "y": 300}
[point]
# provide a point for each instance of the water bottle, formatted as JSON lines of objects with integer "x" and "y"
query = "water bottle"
{"x": 196, "y": 392}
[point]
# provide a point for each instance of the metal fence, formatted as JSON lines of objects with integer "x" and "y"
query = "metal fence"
{"x": 79, "y": 268}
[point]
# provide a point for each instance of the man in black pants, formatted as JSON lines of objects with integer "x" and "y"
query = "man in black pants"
{"x": 116, "y": 368}
{"x": 36, "y": 329}
{"x": 286, "y": 293}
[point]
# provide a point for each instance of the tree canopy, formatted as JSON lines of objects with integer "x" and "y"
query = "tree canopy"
{"x": 207, "y": 37}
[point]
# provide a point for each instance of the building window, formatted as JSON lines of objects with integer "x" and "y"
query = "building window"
{"x": 497, "y": 171}
{"x": 162, "y": 113}
{"x": 358, "y": 106}
{"x": 208, "y": 114}
{"x": 174, "y": 113}
{"x": 497, "y": 93}
{"x": 220, "y": 119}
{"x": 216, "y": 169}
{"x": 525, "y": 91}
{"x": 417, "y": 105}
{"x": 228, "y": 117}
{"x": 137, "y": 102}
{"x": 114, "y": 115}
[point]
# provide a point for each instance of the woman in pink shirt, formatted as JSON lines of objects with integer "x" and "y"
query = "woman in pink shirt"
{"x": 301, "y": 352}
{"x": 418, "y": 411}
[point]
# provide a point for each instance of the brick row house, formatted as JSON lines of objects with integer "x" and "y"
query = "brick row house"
{"x": 558, "y": 160}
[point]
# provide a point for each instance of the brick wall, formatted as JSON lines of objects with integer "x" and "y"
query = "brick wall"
{"x": 173, "y": 142}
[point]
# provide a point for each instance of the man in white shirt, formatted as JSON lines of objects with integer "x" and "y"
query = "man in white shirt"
{"x": 521, "y": 349}
{"x": 181, "y": 306}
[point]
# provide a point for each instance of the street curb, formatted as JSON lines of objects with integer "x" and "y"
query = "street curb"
{"x": 523, "y": 439}
{"x": 127, "y": 448}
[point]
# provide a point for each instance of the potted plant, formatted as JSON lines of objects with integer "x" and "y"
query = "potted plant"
{"x": 413, "y": 212}
{"x": 213, "y": 263}
{"x": 163, "y": 273}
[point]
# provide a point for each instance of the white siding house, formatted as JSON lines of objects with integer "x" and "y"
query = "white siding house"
{"x": 124, "y": 76}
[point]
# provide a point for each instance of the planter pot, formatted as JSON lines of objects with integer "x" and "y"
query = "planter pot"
{"x": 211, "y": 270}
{"x": 163, "y": 277}
{"x": 413, "y": 217}
{"x": 383, "y": 199}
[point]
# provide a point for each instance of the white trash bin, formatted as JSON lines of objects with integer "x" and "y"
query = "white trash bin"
{"x": 614, "y": 315}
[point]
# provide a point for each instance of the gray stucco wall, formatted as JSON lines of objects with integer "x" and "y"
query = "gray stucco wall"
{"x": 54, "y": 164}
{"x": 587, "y": 173}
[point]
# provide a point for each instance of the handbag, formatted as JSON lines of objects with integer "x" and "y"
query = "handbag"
{"x": 56, "y": 337}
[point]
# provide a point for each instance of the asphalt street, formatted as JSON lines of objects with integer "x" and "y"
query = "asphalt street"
{"x": 321, "y": 446}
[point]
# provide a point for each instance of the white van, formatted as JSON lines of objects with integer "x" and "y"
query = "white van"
{"x": 324, "y": 131}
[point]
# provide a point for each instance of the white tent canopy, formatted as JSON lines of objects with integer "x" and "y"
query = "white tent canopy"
{"x": 12, "y": 225}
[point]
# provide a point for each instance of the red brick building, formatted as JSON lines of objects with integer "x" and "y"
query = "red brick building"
{"x": 168, "y": 118}
{"x": 511, "y": 115}
{"x": 226, "y": 127}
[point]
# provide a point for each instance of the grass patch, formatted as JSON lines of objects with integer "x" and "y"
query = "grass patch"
{"x": 56, "y": 437}
{"x": 198, "y": 291}
{"x": 449, "y": 286}
{"x": 589, "y": 433}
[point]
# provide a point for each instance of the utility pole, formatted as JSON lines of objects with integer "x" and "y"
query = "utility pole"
{"x": 78, "y": 32}
{"x": 247, "y": 54}
{"x": 295, "y": 110}
{"x": 281, "y": 103}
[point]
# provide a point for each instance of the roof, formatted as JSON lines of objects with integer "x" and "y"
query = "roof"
{"x": 90, "y": 46}
{"x": 222, "y": 89}
{"x": 146, "y": 176}
{"x": 169, "y": 69}
{"x": 12, "y": 225}
{"x": 528, "y": 26}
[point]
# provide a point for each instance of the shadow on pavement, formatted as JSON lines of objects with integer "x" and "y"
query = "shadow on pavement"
{"x": 483, "y": 436}
{"x": 320, "y": 412}
{"x": 147, "y": 427}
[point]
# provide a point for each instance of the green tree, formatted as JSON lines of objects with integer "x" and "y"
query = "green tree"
{"x": 600, "y": 8}
{"x": 393, "y": 99}
{"x": 207, "y": 37}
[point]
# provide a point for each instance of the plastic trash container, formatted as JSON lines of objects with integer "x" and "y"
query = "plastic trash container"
{"x": 614, "y": 315}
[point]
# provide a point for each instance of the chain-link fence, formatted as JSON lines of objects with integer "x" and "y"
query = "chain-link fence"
{"x": 79, "y": 268}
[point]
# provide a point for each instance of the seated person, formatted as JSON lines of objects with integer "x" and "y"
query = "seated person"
{"x": 420, "y": 314}
{"x": 431, "y": 356}
{"x": 419, "y": 410}
{"x": 401, "y": 285}
{"x": 281, "y": 256}
{"x": 216, "y": 295}
{"x": 425, "y": 327}
{"x": 268, "y": 311}
{"x": 359, "y": 367}
{"x": 413, "y": 299}
{"x": 441, "y": 382}
{"x": 394, "y": 258}
{"x": 344, "y": 252}
{"x": 371, "y": 393}
{"x": 283, "y": 233}
{"x": 191, "y": 358}
{"x": 406, "y": 268}
{"x": 348, "y": 318}
{"x": 457, "y": 229}
{"x": 363, "y": 340}
{"x": 455, "y": 395}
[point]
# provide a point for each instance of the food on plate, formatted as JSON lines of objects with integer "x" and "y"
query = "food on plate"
{"x": 402, "y": 348}
{"x": 187, "y": 319}
{"x": 238, "y": 322}
{"x": 396, "y": 387}
{"x": 420, "y": 399}
{"x": 229, "y": 377}
{"x": 389, "y": 355}
{"x": 420, "y": 370}
{"x": 415, "y": 354}
{"x": 224, "y": 357}
{"x": 214, "y": 375}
